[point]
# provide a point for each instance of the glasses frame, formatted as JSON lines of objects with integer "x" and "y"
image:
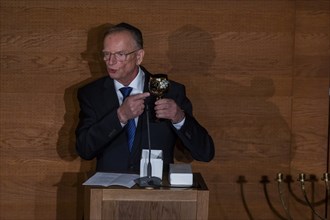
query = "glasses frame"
{"x": 107, "y": 55}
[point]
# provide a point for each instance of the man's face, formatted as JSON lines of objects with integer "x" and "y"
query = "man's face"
{"x": 124, "y": 71}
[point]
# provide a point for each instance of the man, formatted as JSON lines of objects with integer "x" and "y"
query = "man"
{"x": 106, "y": 112}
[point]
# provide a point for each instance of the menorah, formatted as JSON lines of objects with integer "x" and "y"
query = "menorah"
{"x": 302, "y": 179}
{"x": 289, "y": 181}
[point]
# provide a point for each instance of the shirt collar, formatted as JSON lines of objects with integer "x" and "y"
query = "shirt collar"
{"x": 137, "y": 84}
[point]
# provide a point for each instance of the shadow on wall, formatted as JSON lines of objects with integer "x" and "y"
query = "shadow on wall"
{"x": 69, "y": 190}
{"x": 191, "y": 50}
{"x": 242, "y": 119}
{"x": 242, "y": 116}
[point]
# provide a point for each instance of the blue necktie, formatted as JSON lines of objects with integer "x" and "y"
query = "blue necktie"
{"x": 130, "y": 126}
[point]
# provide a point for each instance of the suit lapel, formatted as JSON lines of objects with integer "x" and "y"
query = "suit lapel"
{"x": 109, "y": 94}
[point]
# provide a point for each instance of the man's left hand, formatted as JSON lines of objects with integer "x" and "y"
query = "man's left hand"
{"x": 168, "y": 109}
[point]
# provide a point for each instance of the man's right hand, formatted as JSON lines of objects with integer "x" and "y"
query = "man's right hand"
{"x": 132, "y": 107}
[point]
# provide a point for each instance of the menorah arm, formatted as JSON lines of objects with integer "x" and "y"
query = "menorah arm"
{"x": 302, "y": 186}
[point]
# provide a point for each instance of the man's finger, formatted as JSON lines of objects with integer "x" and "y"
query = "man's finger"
{"x": 140, "y": 96}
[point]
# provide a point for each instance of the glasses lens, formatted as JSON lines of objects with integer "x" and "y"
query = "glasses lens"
{"x": 106, "y": 55}
{"x": 120, "y": 57}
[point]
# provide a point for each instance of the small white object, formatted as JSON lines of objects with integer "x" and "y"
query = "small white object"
{"x": 156, "y": 159}
{"x": 181, "y": 174}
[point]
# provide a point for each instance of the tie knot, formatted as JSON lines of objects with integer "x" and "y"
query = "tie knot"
{"x": 126, "y": 91}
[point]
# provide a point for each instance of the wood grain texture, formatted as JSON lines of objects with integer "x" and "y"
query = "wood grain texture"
{"x": 256, "y": 71}
{"x": 164, "y": 203}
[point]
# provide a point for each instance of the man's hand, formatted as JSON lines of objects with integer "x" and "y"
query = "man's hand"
{"x": 132, "y": 107}
{"x": 168, "y": 109}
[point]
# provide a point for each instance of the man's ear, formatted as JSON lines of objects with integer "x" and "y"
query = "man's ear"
{"x": 139, "y": 56}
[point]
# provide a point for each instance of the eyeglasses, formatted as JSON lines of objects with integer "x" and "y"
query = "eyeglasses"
{"x": 119, "y": 56}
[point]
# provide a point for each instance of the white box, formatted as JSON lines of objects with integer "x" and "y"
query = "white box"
{"x": 156, "y": 160}
{"x": 181, "y": 174}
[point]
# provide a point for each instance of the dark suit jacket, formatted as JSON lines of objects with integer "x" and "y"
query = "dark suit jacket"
{"x": 100, "y": 134}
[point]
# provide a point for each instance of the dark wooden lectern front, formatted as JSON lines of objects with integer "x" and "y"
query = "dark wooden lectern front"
{"x": 163, "y": 203}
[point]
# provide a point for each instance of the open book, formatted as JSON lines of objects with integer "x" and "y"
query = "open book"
{"x": 111, "y": 179}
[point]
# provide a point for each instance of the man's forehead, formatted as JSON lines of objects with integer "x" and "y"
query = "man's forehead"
{"x": 122, "y": 39}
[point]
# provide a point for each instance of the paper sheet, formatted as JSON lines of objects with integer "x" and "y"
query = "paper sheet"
{"x": 110, "y": 179}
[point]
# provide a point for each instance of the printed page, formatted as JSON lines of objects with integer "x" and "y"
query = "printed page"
{"x": 109, "y": 179}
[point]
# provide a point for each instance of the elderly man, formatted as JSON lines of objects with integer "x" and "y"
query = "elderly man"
{"x": 113, "y": 121}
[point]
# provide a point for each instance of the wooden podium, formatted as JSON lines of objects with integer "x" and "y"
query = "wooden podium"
{"x": 137, "y": 203}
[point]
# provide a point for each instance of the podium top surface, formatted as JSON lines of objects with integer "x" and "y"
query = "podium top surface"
{"x": 198, "y": 184}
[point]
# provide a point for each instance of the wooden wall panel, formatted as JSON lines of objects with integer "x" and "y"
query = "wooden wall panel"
{"x": 256, "y": 71}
